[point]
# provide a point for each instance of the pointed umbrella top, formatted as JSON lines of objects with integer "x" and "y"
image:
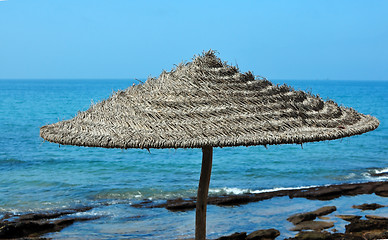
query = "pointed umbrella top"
{"x": 207, "y": 102}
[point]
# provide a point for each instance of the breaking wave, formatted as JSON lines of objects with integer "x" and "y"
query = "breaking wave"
{"x": 237, "y": 191}
{"x": 376, "y": 174}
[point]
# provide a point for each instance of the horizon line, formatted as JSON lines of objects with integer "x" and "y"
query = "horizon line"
{"x": 134, "y": 79}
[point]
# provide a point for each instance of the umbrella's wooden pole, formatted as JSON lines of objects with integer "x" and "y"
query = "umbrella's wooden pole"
{"x": 203, "y": 189}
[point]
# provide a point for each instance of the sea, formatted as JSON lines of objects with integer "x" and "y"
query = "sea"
{"x": 36, "y": 175}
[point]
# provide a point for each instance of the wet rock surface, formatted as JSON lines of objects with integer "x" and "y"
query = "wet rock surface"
{"x": 348, "y": 218}
{"x": 312, "y": 225}
{"x": 325, "y": 210}
{"x": 356, "y": 230}
{"x": 34, "y": 225}
{"x": 314, "y": 235}
{"x": 234, "y": 236}
{"x": 305, "y": 221}
{"x": 265, "y": 234}
{"x": 301, "y": 217}
{"x": 375, "y": 227}
{"x": 374, "y": 217}
{"x": 368, "y": 206}
{"x": 359, "y": 226}
{"x": 382, "y": 190}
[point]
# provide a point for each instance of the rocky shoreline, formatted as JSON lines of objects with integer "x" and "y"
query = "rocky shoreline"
{"x": 312, "y": 193}
{"x": 373, "y": 227}
{"x": 35, "y": 225}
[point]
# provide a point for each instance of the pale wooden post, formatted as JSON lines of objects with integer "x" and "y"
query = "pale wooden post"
{"x": 203, "y": 190}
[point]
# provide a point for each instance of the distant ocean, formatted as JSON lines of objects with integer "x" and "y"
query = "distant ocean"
{"x": 37, "y": 175}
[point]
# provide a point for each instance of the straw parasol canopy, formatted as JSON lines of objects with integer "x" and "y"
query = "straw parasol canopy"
{"x": 207, "y": 103}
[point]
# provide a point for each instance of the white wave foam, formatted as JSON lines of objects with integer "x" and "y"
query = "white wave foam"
{"x": 237, "y": 191}
{"x": 284, "y": 188}
{"x": 227, "y": 190}
{"x": 374, "y": 178}
{"x": 349, "y": 176}
{"x": 379, "y": 174}
{"x": 380, "y": 171}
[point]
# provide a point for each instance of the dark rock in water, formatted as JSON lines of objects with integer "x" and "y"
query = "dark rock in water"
{"x": 308, "y": 216}
{"x": 376, "y": 235}
{"x": 320, "y": 193}
{"x": 325, "y": 210}
{"x": 234, "y": 236}
{"x": 368, "y": 229}
{"x": 181, "y": 206}
{"x": 348, "y": 218}
{"x": 373, "y": 217}
{"x": 368, "y": 206}
{"x": 358, "y": 226}
{"x": 267, "y": 234}
{"x": 382, "y": 190}
{"x": 335, "y": 191}
{"x": 51, "y": 215}
{"x": 146, "y": 203}
{"x": 301, "y": 217}
{"x": 312, "y": 225}
{"x": 314, "y": 235}
{"x": 178, "y": 204}
{"x": 33, "y": 225}
{"x": 375, "y": 228}
{"x": 344, "y": 236}
{"x": 24, "y": 229}
{"x": 234, "y": 200}
{"x": 35, "y": 228}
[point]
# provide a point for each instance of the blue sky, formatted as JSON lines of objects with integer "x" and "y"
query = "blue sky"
{"x": 94, "y": 39}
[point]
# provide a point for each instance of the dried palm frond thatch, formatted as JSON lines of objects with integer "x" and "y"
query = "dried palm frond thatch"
{"x": 207, "y": 102}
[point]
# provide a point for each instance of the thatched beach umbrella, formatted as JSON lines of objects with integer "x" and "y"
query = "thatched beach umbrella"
{"x": 207, "y": 103}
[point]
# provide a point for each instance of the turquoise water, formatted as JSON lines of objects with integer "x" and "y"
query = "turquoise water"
{"x": 37, "y": 175}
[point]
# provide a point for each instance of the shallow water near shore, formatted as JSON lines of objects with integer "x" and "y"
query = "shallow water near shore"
{"x": 120, "y": 221}
{"x": 37, "y": 175}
